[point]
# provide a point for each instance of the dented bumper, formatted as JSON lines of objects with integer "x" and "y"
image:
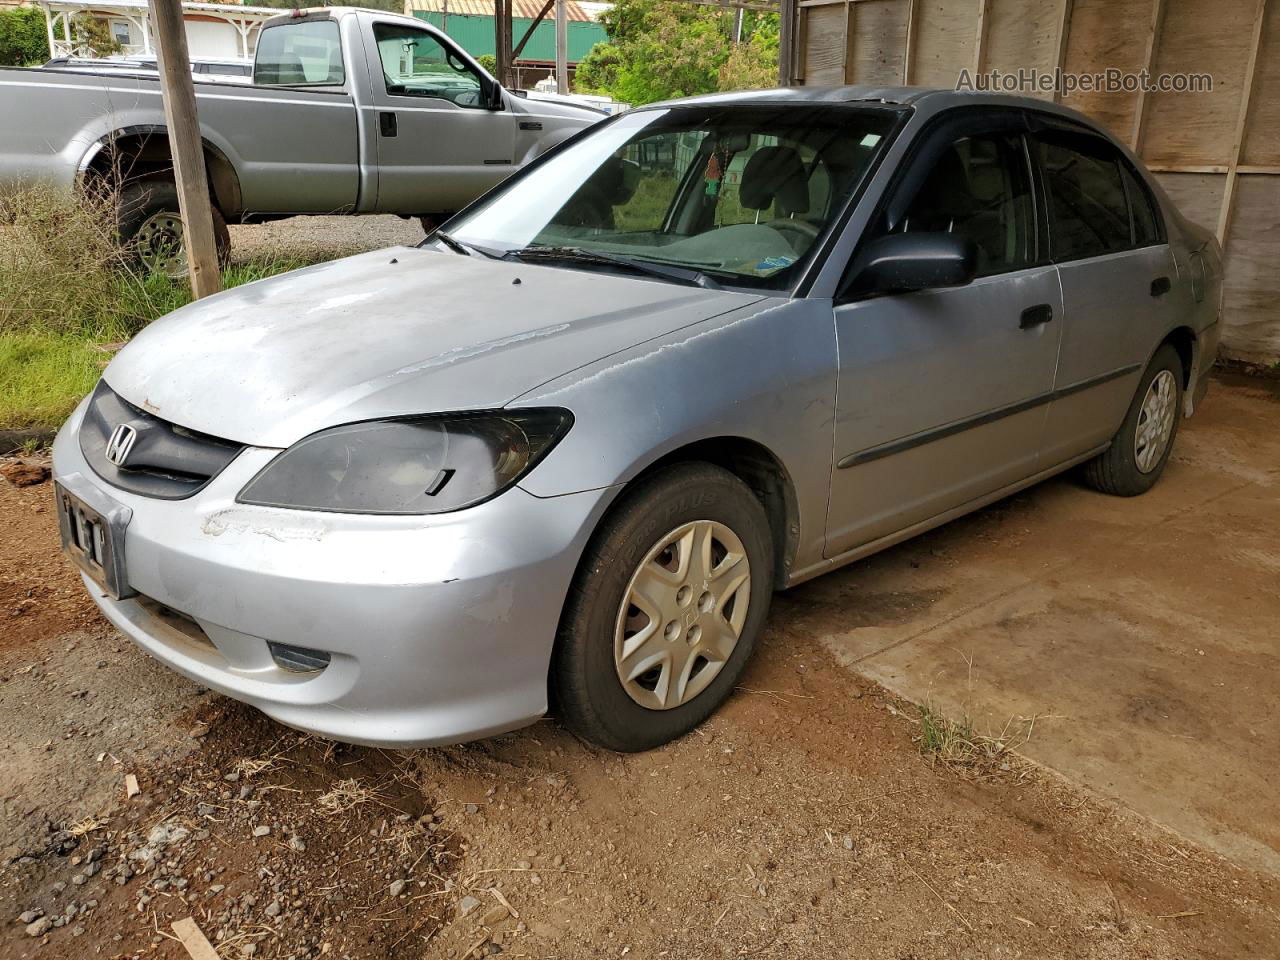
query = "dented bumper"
{"x": 436, "y": 629}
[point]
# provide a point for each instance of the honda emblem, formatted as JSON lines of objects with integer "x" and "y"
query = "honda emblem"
{"x": 120, "y": 443}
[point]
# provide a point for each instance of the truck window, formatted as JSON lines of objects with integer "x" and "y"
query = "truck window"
{"x": 298, "y": 53}
{"x": 416, "y": 64}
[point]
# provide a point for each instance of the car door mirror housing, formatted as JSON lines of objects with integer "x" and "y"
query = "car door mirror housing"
{"x": 907, "y": 262}
{"x": 493, "y": 95}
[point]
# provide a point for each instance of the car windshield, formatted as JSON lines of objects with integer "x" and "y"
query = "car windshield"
{"x": 737, "y": 194}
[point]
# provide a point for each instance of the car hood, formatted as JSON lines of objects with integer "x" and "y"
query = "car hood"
{"x": 391, "y": 333}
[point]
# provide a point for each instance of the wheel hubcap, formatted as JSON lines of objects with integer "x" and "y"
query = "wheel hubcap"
{"x": 159, "y": 245}
{"x": 1155, "y": 421}
{"x": 682, "y": 614}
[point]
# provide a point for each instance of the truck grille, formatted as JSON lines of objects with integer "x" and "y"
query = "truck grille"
{"x": 163, "y": 460}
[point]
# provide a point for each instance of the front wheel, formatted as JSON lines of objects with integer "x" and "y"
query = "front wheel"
{"x": 1138, "y": 453}
{"x": 665, "y": 609}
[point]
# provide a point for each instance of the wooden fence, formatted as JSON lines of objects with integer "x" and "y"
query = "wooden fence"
{"x": 1216, "y": 152}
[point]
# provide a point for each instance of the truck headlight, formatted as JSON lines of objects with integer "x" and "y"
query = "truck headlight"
{"x": 412, "y": 466}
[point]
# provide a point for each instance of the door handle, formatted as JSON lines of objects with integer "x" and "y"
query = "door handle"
{"x": 1160, "y": 286}
{"x": 387, "y": 124}
{"x": 1035, "y": 316}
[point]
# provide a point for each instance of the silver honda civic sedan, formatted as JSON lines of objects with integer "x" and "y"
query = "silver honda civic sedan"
{"x": 566, "y": 449}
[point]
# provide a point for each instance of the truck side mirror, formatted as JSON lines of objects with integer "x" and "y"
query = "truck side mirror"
{"x": 493, "y": 98}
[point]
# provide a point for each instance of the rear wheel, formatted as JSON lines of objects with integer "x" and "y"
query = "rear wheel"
{"x": 149, "y": 225}
{"x": 1138, "y": 453}
{"x": 665, "y": 609}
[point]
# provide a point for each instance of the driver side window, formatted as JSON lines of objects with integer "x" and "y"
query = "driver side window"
{"x": 416, "y": 64}
{"x": 979, "y": 187}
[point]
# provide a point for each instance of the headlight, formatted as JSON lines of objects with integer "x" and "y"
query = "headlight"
{"x": 414, "y": 466}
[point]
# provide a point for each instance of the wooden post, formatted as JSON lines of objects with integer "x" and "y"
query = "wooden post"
{"x": 910, "y": 43}
{"x": 502, "y": 42}
{"x": 1153, "y": 48}
{"x": 787, "y": 42}
{"x": 1242, "y": 123}
{"x": 980, "y": 39}
{"x": 562, "y": 48}
{"x": 186, "y": 148}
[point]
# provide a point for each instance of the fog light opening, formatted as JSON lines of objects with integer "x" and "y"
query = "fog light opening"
{"x": 298, "y": 659}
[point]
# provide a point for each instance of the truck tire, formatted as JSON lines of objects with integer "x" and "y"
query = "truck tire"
{"x": 149, "y": 227}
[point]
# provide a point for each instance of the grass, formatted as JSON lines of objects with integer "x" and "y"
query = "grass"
{"x": 65, "y": 291}
{"x": 956, "y": 745}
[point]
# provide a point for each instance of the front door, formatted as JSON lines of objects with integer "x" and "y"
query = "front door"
{"x": 439, "y": 145}
{"x": 942, "y": 394}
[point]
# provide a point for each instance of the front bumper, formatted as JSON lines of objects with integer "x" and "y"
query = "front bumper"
{"x": 439, "y": 629}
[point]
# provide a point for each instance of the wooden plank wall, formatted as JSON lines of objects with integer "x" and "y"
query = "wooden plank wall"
{"x": 1217, "y": 154}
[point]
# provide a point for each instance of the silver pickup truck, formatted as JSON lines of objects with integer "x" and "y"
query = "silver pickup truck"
{"x": 350, "y": 111}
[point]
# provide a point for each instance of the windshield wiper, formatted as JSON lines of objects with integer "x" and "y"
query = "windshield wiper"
{"x": 457, "y": 246}
{"x": 694, "y": 278}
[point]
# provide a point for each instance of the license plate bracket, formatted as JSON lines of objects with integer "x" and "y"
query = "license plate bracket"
{"x": 92, "y": 527}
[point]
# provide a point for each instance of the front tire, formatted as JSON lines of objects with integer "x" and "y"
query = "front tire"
{"x": 665, "y": 609}
{"x": 1138, "y": 453}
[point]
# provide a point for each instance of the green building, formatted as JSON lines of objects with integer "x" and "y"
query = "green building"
{"x": 470, "y": 24}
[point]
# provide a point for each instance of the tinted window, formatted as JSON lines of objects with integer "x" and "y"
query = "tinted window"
{"x": 297, "y": 53}
{"x": 1089, "y": 213}
{"x": 416, "y": 64}
{"x": 1145, "y": 230}
{"x": 980, "y": 187}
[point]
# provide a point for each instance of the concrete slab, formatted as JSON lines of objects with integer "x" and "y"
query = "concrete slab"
{"x": 1144, "y": 634}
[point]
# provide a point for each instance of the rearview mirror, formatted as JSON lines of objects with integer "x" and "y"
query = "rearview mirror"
{"x": 906, "y": 262}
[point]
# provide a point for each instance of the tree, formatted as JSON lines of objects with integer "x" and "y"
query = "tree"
{"x": 94, "y": 35}
{"x": 23, "y": 38}
{"x": 661, "y": 49}
{"x": 489, "y": 62}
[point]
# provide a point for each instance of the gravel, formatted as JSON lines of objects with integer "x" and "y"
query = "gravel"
{"x": 318, "y": 238}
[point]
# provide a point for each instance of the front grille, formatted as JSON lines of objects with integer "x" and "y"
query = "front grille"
{"x": 165, "y": 460}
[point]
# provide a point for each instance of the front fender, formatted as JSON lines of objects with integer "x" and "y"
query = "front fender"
{"x": 765, "y": 373}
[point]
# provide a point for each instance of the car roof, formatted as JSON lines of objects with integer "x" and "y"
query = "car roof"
{"x": 926, "y": 101}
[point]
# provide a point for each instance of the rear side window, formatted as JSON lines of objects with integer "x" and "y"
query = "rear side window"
{"x": 299, "y": 53}
{"x": 1145, "y": 229}
{"x": 1088, "y": 204}
{"x": 979, "y": 187}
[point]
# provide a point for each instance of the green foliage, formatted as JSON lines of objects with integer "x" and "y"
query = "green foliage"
{"x": 597, "y": 72}
{"x": 659, "y": 50}
{"x": 65, "y": 289}
{"x": 23, "y": 38}
{"x": 489, "y": 62}
{"x": 96, "y": 35}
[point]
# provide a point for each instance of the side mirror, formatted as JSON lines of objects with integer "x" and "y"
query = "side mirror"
{"x": 906, "y": 262}
{"x": 493, "y": 96}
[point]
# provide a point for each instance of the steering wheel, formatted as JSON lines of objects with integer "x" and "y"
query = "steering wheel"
{"x": 797, "y": 228}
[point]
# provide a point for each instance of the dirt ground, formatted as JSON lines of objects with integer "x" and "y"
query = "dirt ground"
{"x": 803, "y": 821}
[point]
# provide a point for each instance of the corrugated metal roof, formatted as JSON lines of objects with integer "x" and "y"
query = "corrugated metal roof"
{"x": 520, "y": 9}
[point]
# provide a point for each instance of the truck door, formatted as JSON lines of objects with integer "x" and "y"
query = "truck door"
{"x": 439, "y": 144}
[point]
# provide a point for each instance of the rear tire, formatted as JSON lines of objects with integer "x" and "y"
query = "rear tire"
{"x": 704, "y": 621}
{"x": 1140, "y": 449}
{"x": 149, "y": 227}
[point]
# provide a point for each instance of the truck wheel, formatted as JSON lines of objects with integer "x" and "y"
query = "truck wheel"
{"x": 149, "y": 225}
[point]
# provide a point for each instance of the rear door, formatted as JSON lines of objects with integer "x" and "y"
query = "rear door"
{"x": 1117, "y": 273}
{"x": 439, "y": 145}
{"x": 942, "y": 393}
